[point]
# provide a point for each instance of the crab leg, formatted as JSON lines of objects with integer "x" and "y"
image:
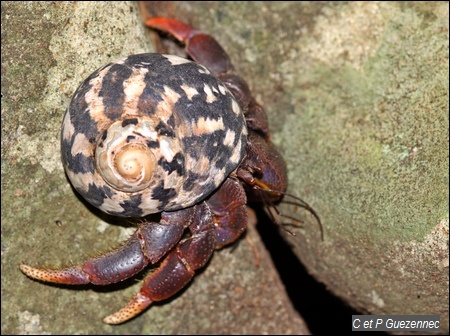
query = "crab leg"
{"x": 203, "y": 48}
{"x": 214, "y": 225}
{"x": 176, "y": 270}
{"x": 147, "y": 245}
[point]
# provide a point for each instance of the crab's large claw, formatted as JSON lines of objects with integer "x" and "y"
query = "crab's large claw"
{"x": 148, "y": 244}
{"x": 217, "y": 222}
{"x": 214, "y": 223}
{"x": 203, "y": 48}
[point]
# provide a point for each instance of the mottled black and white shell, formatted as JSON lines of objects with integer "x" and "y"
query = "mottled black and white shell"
{"x": 151, "y": 133}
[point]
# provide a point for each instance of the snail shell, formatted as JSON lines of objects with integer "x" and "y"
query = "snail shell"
{"x": 151, "y": 133}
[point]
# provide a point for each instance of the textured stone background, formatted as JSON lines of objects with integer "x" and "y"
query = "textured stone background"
{"x": 357, "y": 99}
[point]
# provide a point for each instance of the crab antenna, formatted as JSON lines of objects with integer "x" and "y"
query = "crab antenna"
{"x": 298, "y": 202}
{"x": 270, "y": 208}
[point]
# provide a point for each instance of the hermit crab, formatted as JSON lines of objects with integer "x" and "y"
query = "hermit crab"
{"x": 156, "y": 133}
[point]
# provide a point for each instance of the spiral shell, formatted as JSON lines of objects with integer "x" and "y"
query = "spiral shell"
{"x": 151, "y": 133}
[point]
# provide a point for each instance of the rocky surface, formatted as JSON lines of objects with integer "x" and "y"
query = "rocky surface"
{"x": 357, "y": 100}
